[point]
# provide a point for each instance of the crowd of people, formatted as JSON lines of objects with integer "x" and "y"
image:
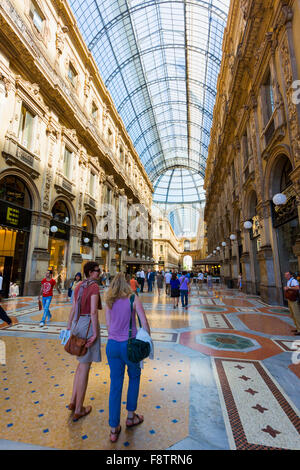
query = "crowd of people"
{"x": 123, "y": 304}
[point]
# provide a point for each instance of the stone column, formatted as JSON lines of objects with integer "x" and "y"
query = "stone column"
{"x": 38, "y": 253}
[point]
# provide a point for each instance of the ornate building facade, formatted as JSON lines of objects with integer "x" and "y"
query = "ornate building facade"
{"x": 254, "y": 152}
{"x": 64, "y": 152}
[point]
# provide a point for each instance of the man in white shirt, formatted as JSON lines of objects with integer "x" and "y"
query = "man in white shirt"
{"x": 200, "y": 279}
{"x": 168, "y": 277}
{"x": 142, "y": 278}
{"x": 293, "y": 285}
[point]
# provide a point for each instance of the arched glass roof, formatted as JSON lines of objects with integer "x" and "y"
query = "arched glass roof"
{"x": 179, "y": 184}
{"x": 160, "y": 61}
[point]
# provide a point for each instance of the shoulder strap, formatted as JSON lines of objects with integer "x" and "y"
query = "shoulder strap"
{"x": 132, "y": 297}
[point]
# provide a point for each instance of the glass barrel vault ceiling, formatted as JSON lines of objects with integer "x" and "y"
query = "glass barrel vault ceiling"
{"x": 160, "y": 60}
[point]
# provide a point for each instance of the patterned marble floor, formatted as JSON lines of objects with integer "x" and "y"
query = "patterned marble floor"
{"x": 225, "y": 375}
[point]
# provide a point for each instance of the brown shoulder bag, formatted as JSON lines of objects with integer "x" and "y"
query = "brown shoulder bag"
{"x": 77, "y": 346}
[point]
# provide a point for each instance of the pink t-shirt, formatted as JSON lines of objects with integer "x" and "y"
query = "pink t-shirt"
{"x": 120, "y": 320}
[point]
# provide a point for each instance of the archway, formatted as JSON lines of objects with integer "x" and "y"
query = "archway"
{"x": 187, "y": 263}
{"x": 15, "y": 224}
{"x": 59, "y": 236}
{"x": 285, "y": 217}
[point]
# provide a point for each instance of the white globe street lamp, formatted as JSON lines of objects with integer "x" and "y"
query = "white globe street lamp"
{"x": 223, "y": 243}
{"x": 232, "y": 237}
{"x": 53, "y": 229}
{"x": 248, "y": 225}
{"x": 218, "y": 248}
{"x": 105, "y": 245}
{"x": 279, "y": 199}
{"x": 86, "y": 240}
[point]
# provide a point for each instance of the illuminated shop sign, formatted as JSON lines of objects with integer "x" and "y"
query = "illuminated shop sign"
{"x": 63, "y": 230}
{"x": 13, "y": 216}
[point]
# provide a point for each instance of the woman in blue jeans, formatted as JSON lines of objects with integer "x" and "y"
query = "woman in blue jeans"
{"x": 118, "y": 312}
{"x": 184, "y": 289}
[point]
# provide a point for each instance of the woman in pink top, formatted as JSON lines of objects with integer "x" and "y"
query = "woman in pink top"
{"x": 118, "y": 313}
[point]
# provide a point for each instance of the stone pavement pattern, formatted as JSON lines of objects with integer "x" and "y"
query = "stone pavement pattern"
{"x": 222, "y": 378}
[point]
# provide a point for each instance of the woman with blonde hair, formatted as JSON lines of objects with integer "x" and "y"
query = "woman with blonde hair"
{"x": 121, "y": 305}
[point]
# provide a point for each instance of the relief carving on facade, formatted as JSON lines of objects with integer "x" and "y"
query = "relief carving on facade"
{"x": 292, "y": 110}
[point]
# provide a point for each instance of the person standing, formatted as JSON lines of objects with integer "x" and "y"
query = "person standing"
{"x": 84, "y": 322}
{"x": 77, "y": 280}
{"x": 184, "y": 289}
{"x": 292, "y": 291}
{"x": 142, "y": 278}
{"x": 118, "y": 313}
{"x": 1, "y": 284}
{"x": 240, "y": 281}
{"x": 47, "y": 285}
{"x": 209, "y": 280}
{"x": 168, "y": 277}
{"x": 134, "y": 285}
{"x": 200, "y": 280}
{"x": 175, "y": 292}
{"x": 160, "y": 282}
{"x": 150, "y": 280}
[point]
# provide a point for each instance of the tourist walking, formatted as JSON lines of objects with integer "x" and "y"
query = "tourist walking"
{"x": 84, "y": 322}
{"x": 184, "y": 289}
{"x": 175, "y": 292}
{"x": 118, "y": 313}
{"x": 209, "y": 281}
{"x": 47, "y": 286}
{"x": 160, "y": 282}
{"x": 135, "y": 287}
{"x": 200, "y": 280}
{"x": 168, "y": 277}
{"x": 291, "y": 293}
{"x": 6, "y": 319}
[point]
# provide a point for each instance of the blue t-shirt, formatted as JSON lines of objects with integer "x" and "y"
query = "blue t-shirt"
{"x": 184, "y": 283}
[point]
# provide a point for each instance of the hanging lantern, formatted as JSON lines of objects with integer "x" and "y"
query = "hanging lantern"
{"x": 120, "y": 248}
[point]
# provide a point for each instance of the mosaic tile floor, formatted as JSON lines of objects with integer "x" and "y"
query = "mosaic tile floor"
{"x": 225, "y": 375}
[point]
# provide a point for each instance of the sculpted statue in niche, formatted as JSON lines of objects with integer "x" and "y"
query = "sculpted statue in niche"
{"x": 60, "y": 38}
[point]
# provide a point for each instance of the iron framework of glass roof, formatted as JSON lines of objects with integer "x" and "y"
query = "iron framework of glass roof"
{"x": 160, "y": 61}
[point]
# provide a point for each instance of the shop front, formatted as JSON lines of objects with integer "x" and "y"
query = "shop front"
{"x": 285, "y": 219}
{"x": 59, "y": 236}
{"x": 15, "y": 223}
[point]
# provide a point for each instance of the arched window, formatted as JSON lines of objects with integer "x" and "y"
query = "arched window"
{"x": 87, "y": 224}
{"x": 187, "y": 245}
{"x": 60, "y": 212}
{"x": 285, "y": 178}
{"x": 15, "y": 191}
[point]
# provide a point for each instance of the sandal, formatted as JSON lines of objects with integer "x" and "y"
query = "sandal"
{"x": 140, "y": 420}
{"x": 114, "y": 435}
{"x": 86, "y": 411}
{"x": 71, "y": 406}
